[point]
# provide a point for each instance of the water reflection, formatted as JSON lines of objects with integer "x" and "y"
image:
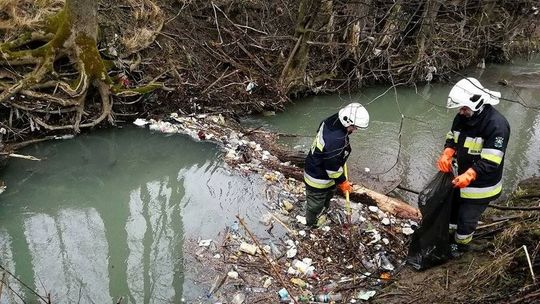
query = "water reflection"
{"x": 69, "y": 255}
{"x": 107, "y": 215}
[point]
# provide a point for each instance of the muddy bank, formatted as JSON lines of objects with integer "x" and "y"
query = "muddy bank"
{"x": 503, "y": 266}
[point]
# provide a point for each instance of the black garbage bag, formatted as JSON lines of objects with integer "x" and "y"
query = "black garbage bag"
{"x": 430, "y": 242}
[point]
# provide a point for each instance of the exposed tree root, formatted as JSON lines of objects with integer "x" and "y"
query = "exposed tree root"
{"x": 58, "y": 92}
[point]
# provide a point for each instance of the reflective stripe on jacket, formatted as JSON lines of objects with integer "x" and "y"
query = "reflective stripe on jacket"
{"x": 480, "y": 143}
{"x": 329, "y": 152}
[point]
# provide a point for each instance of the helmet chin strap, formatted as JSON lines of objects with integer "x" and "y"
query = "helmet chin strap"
{"x": 477, "y": 112}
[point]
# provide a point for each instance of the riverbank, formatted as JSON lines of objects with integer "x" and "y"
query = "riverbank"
{"x": 363, "y": 259}
{"x": 235, "y": 57}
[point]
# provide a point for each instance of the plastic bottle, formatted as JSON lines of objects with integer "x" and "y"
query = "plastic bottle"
{"x": 256, "y": 289}
{"x": 330, "y": 287}
{"x": 299, "y": 282}
{"x": 283, "y": 295}
{"x": 370, "y": 267}
{"x": 384, "y": 262}
{"x": 248, "y": 248}
{"x": 276, "y": 253}
{"x": 327, "y": 298}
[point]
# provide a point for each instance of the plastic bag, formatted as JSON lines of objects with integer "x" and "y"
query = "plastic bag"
{"x": 430, "y": 242}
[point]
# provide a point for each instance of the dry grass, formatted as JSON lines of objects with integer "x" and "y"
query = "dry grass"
{"x": 507, "y": 236}
{"x": 496, "y": 272}
{"x": 25, "y": 14}
{"x": 138, "y": 39}
{"x": 149, "y": 19}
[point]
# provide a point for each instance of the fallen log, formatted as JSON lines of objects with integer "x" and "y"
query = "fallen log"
{"x": 284, "y": 159}
{"x": 359, "y": 194}
{"x": 269, "y": 141}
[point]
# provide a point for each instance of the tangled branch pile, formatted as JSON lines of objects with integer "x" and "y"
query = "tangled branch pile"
{"x": 233, "y": 55}
{"x": 253, "y": 55}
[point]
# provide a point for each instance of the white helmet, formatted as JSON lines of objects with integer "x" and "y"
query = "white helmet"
{"x": 354, "y": 114}
{"x": 468, "y": 92}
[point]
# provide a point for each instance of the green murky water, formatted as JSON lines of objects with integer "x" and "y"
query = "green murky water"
{"x": 107, "y": 215}
{"x": 405, "y": 151}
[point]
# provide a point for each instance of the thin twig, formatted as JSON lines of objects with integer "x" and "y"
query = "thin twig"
{"x": 25, "y": 285}
{"x": 272, "y": 266}
{"x": 530, "y": 264}
{"x": 217, "y": 23}
{"x": 2, "y": 284}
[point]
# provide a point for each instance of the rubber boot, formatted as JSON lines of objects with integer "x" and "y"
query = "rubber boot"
{"x": 311, "y": 219}
{"x": 458, "y": 250}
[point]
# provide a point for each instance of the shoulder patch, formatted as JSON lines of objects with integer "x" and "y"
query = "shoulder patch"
{"x": 498, "y": 142}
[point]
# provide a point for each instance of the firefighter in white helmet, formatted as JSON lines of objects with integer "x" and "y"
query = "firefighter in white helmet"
{"x": 324, "y": 166}
{"x": 477, "y": 141}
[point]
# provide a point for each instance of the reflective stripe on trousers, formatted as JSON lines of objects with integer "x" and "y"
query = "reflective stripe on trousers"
{"x": 463, "y": 239}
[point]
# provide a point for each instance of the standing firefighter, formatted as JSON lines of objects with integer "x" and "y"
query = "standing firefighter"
{"x": 324, "y": 168}
{"x": 478, "y": 141}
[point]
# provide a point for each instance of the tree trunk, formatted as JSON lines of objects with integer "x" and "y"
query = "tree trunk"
{"x": 294, "y": 71}
{"x": 82, "y": 15}
{"x": 354, "y": 34}
{"x": 426, "y": 30}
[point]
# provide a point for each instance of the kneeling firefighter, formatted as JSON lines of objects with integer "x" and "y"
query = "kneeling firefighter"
{"x": 477, "y": 140}
{"x": 325, "y": 162}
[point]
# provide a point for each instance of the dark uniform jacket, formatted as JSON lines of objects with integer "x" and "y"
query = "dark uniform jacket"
{"x": 480, "y": 143}
{"x": 327, "y": 156}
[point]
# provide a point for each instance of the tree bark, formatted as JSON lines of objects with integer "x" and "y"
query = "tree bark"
{"x": 295, "y": 68}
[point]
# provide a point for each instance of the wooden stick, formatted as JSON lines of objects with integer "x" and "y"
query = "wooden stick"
{"x": 492, "y": 224}
{"x": 347, "y": 200}
{"x": 276, "y": 272}
{"x": 292, "y": 232}
{"x": 513, "y": 207}
{"x": 28, "y": 157}
{"x": 530, "y": 264}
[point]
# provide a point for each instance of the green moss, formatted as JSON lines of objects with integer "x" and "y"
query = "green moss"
{"x": 91, "y": 60}
{"x": 63, "y": 30}
{"x": 52, "y": 23}
{"x": 118, "y": 90}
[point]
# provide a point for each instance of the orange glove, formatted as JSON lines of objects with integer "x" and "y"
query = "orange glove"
{"x": 445, "y": 161}
{"x": 345, "y": 186}
{"x": 465, "y": 179}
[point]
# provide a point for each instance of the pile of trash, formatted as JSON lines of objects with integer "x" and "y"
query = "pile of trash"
{"x": 347, "y": 259}
{"x": 214, "y": 128}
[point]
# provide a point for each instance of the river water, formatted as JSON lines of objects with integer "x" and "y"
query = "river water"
{"x": 108, "y": 214}
{"x": 404, "y": 151}
{"x": 111, "y": 213}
